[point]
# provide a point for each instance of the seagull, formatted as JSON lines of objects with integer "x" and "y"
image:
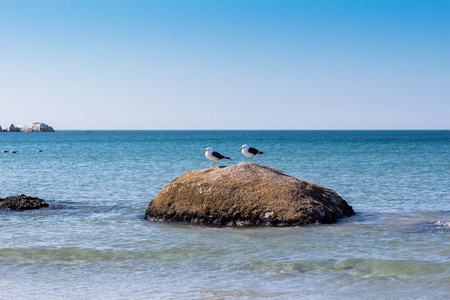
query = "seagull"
{"x": 250, "y": 152}
{"x": 214, "y": 156}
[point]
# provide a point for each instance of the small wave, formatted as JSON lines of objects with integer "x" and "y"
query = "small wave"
{"x": 440, "y": 223}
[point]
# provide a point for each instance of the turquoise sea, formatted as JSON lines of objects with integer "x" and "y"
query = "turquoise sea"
{"x": 95, "y": 242}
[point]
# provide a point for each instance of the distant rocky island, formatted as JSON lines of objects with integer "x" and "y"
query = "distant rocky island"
{"x": 34, "y": 127}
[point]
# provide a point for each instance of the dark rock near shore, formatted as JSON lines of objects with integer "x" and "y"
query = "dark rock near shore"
{"x": 22, "y": 202}
{"x": 246, "y": 194}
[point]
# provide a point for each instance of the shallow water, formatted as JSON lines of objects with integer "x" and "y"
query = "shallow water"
{"x": 95, "y": 243}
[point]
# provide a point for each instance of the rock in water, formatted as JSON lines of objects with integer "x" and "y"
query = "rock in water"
{"x": 35, "y": 127}
{"x": 22, "y": 202}
{"x": 11, "y": 128}
{"x": 41, "y": 127}
{"x": 246, "y": 194}
{"x": 24, "y": 128}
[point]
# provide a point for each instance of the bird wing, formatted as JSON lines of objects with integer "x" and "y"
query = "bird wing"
{"x": 253, "y": 151}
{"x": 218, "y": 155}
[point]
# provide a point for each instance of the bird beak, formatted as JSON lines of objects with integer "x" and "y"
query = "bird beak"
{"x": 241, "y": 148}
{"x": 204, "y": 150}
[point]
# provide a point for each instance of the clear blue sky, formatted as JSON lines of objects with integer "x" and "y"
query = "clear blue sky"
{"x": 129, "y": 64}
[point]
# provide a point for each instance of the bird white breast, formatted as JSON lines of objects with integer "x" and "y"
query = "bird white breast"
{"x": 246, "y": 153}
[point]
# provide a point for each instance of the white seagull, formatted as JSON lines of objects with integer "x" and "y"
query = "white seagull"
{"x": 250, "y": 152}
{"x": 214, "y": 156}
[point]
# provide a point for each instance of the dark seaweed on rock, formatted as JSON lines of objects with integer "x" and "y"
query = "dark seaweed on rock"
{"x": 22, "y": 202}
{"x": 246, "y": 194}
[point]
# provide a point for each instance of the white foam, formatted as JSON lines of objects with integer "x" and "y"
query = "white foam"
{"x": 440, "y": 223}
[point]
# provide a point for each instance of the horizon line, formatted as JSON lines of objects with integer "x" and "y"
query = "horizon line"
{"x": 393, "y": 129}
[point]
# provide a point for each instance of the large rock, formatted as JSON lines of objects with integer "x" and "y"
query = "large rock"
{"x": 22, "y": 202}
{"x": 24, "y": 128}
{"x": 246, "y": 194}
{"x": 11, "y": 128}
{"x": 41, "y": 127}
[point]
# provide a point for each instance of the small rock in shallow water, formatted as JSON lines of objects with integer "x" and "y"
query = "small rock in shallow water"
{"x": 22, "y": 202}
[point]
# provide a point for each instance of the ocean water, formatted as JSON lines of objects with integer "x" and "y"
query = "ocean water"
{"x": 95, "y": 242}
